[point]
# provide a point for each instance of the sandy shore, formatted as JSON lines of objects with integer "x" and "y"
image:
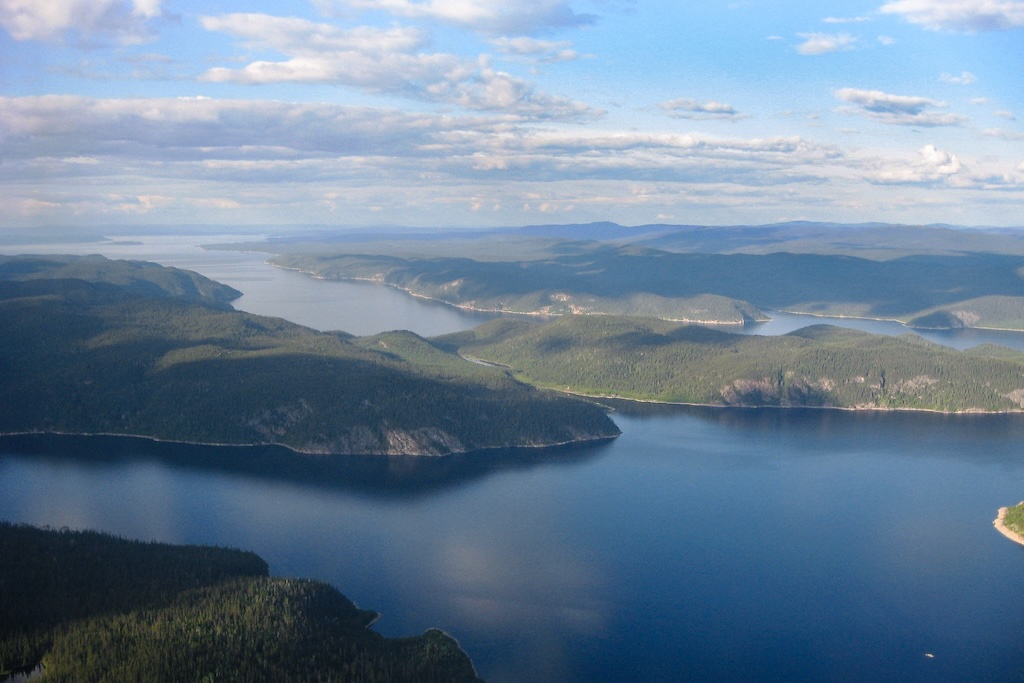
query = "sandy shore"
{"x": 1001, "y": 528}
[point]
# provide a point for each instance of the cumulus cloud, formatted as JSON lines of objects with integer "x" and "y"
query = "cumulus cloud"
{"x": 684, "y": 108}
{"x": 1006, "y": 114}
{"x": 382, "y": 61}
{"x": 823, "y": 43}
{"x": 960, "y": 15}
{"x": 508, "y": 17}
{"x": 123, "y": 21}
{"x": 900, "y": 110}
{"x": 965, "y": 78}
{"x": 933, "y": 166}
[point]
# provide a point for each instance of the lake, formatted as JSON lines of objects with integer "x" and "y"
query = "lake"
{"x": 703, "y": 544}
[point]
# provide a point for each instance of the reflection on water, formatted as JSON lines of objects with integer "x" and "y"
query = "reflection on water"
{"x": 374, "y": 476}
{"x": 701, "y": 545}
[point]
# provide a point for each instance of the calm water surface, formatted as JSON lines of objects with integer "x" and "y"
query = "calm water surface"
{"x": 702, "y": 544}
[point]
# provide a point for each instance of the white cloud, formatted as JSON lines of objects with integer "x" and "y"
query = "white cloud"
{"x": 546, "y": 51}
{"x": 176, "y": 159}
{"x": 507, "y": 17}
{"x": 1004, "y": 114}
{"x": 897, "y": 109}
{"x": 933, "y": 166}
{"x": 123, "y": 21}
{"x": 886, "y": 40}
{"x": 845, "y": 20}
{"x": 381, "y": 61}
{"x": 684, "y": 108}
{"x": 960, "y": 15}
{"x": 965, "y": 78}
{"x": 823, "y": 43}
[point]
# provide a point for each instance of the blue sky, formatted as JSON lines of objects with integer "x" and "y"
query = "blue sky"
{"x": 510, "y": 112}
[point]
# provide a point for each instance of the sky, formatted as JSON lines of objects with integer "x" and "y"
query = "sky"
{"x": 482, "y": 113}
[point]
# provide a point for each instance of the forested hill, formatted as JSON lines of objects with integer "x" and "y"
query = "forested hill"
{"x": 819, "y": 366}
{"x": 136, "y": 277}
{"x": 91, "y": 607}
{"x": 92, "y": 357}
{"x": 968, "y": 290}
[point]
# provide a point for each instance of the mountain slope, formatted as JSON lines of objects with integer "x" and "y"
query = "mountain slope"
{"x": 95, "y": 357}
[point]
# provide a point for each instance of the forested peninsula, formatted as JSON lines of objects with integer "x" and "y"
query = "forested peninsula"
{"x": 91, "y": 607}
{"x": 96, "y": 346}
{"x": 818, "y": 366}
{"x": 574, "y": 277}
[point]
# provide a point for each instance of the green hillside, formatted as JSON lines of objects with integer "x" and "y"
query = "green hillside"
{"x": 820, "y": 366}
{"x": 93, "y": 357}
{"x": 91, "y": 607}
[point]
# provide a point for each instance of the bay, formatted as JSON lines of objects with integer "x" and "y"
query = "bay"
{"x": 704, "y": 545}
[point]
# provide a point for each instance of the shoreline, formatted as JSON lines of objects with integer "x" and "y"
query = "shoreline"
{"x": 310, "y": 453}
{"x": 1004, "y": 530}
{"x": 853, "y": 409}
{"x": 541, "y": 314}
{"x": 901, "y": 322}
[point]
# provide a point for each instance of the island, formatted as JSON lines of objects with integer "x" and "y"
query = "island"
{"x": 86, "y": 606}
{"x": 90, "y": 345}
{"x": 820, "y": 366}
{"x": 1010, "y": 522}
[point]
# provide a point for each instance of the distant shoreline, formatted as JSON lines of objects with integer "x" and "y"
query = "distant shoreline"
{"x": 731, "y": 406}
{"x": 542, "y": 314}
{"x": 904, "y": 323}
{"x": 1004, "y": 530}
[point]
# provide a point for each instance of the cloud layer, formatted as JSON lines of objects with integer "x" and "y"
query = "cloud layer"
{"x": 449, "y": 110}
{"x": 390, "y": 61}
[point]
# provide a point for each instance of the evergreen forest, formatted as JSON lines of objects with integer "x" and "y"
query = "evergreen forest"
{"x": 92, "y": 607}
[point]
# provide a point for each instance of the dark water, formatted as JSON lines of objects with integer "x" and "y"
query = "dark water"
{"x": 704, "y": 545}
{"x": 701, "y": 545}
